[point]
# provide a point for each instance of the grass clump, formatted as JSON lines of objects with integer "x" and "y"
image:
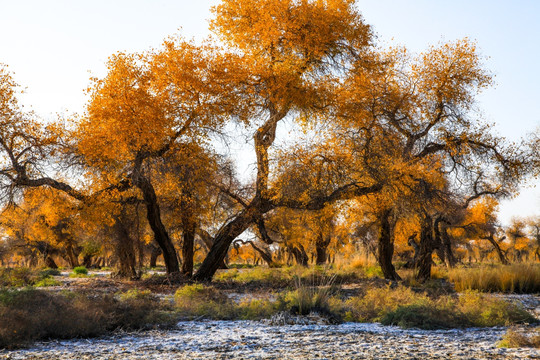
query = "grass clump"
{"x": 49, "y": 272}
{"x": 18, "y": 277}
{"x": 30, "y": 314}
{"x": 515, "y": 338}
{"x": 424, "y": 316}
{"x": 515, "y": 278}
{"x": 406, "y": 308}
{"x": 201, "y": 301}
{"x": 311, "y": 296}
{"x": 47, "y": 281}
{"x": 80, "y": 270}
{"x": 484, "y": 310}
{"x": 22, "y": 276}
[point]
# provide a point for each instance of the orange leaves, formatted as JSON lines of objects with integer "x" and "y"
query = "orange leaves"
{"x": 287, "y": 44}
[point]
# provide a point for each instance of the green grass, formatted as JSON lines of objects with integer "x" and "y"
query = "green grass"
{"x": 80, "y": 270}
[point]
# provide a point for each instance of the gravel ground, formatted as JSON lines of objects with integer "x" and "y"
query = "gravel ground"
{"x": 255, "y": 340}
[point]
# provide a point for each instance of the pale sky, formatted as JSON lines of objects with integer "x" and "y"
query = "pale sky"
{"x": 54, "y": 46}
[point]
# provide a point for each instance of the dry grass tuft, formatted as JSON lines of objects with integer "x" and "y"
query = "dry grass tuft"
{"x": 515, "y": 278}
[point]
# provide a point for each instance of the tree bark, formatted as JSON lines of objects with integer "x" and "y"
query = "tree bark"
{"x": 222, "y": 242}
{"x": 266, "y": 256}
{"x": 154, "y": 254}
{"x": 500, "y": 254}
{"x": 153, "y": 214}
{"x": 386, "y": 247}
{"x": 426, "y": 249}
{"x": 321, "y": 247}
{"x": 300, "y": 255}
{"x": 188, "y": 239}
{"x": 125, "y": 250}
{"x": 447, "y": 246}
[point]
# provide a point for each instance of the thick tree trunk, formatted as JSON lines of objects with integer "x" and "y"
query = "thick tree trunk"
{"x": 72, "y": 258}
{"x": 447, "y": 246}
{"x": 222, "y": 242}
{"x": 154, "y": 254}
{"x": 124, "y": 250}
{"x": 153, "y": 215}
{"x": 386, "y": 247}
{"x": 321, "y": 247}
{"x": 209, "y": 242}
{"x": 188, "y": 237}
{"x": 49, "y": 262}
{"x": 300, "y": 255}
{"x": 87, "y": 261}
{"x": 437, "y": 241}
{"x": 426, "y": 250}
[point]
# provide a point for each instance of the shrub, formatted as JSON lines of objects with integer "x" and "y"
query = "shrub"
{"x": 257, "y": 309}
{"x": 314, "y": 297}
{"x": 404, "y": 307}
{"x": 199, "y": 300}
{"x": 49, "y": 272}
{"x": 424, "y": 316}
{"x": 80, "y": 270}
{"x": 47, "y": 281}
{"x": 18, "y": 277}
{"x": 519, "y": 338}
{"x": 378, "y": 302}
{"x": 486, "y": 310}
{"x": 29, "y": 314}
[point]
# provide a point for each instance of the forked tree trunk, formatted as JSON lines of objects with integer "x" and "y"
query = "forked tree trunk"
{"x": 426, "y": 250}
{"x": 386, "y": 247}
{"x": 153, "y": 215}
{"x": 222, "y": 242}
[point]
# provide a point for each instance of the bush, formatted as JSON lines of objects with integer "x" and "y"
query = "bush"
{"x": 198, "y": 300}
{"x": 29, "y": 314}
{"x": 377, "y": 302}
{"x": 485, "y": 310}
{"x": 404, "y": 307}
{"x": 18, "y": 277}
{"x": 515, "y": 338}
{"x": 47, "y": 281}
{"x": 314, "y": 297}
{"x": 80, "y": 270}
{"x": 424, "y": 317}
{"x": 49, "y": 272}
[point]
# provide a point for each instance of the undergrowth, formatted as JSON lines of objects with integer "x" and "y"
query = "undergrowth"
{"x": 515, "y": 338}
{"x": 30, "y": 314}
